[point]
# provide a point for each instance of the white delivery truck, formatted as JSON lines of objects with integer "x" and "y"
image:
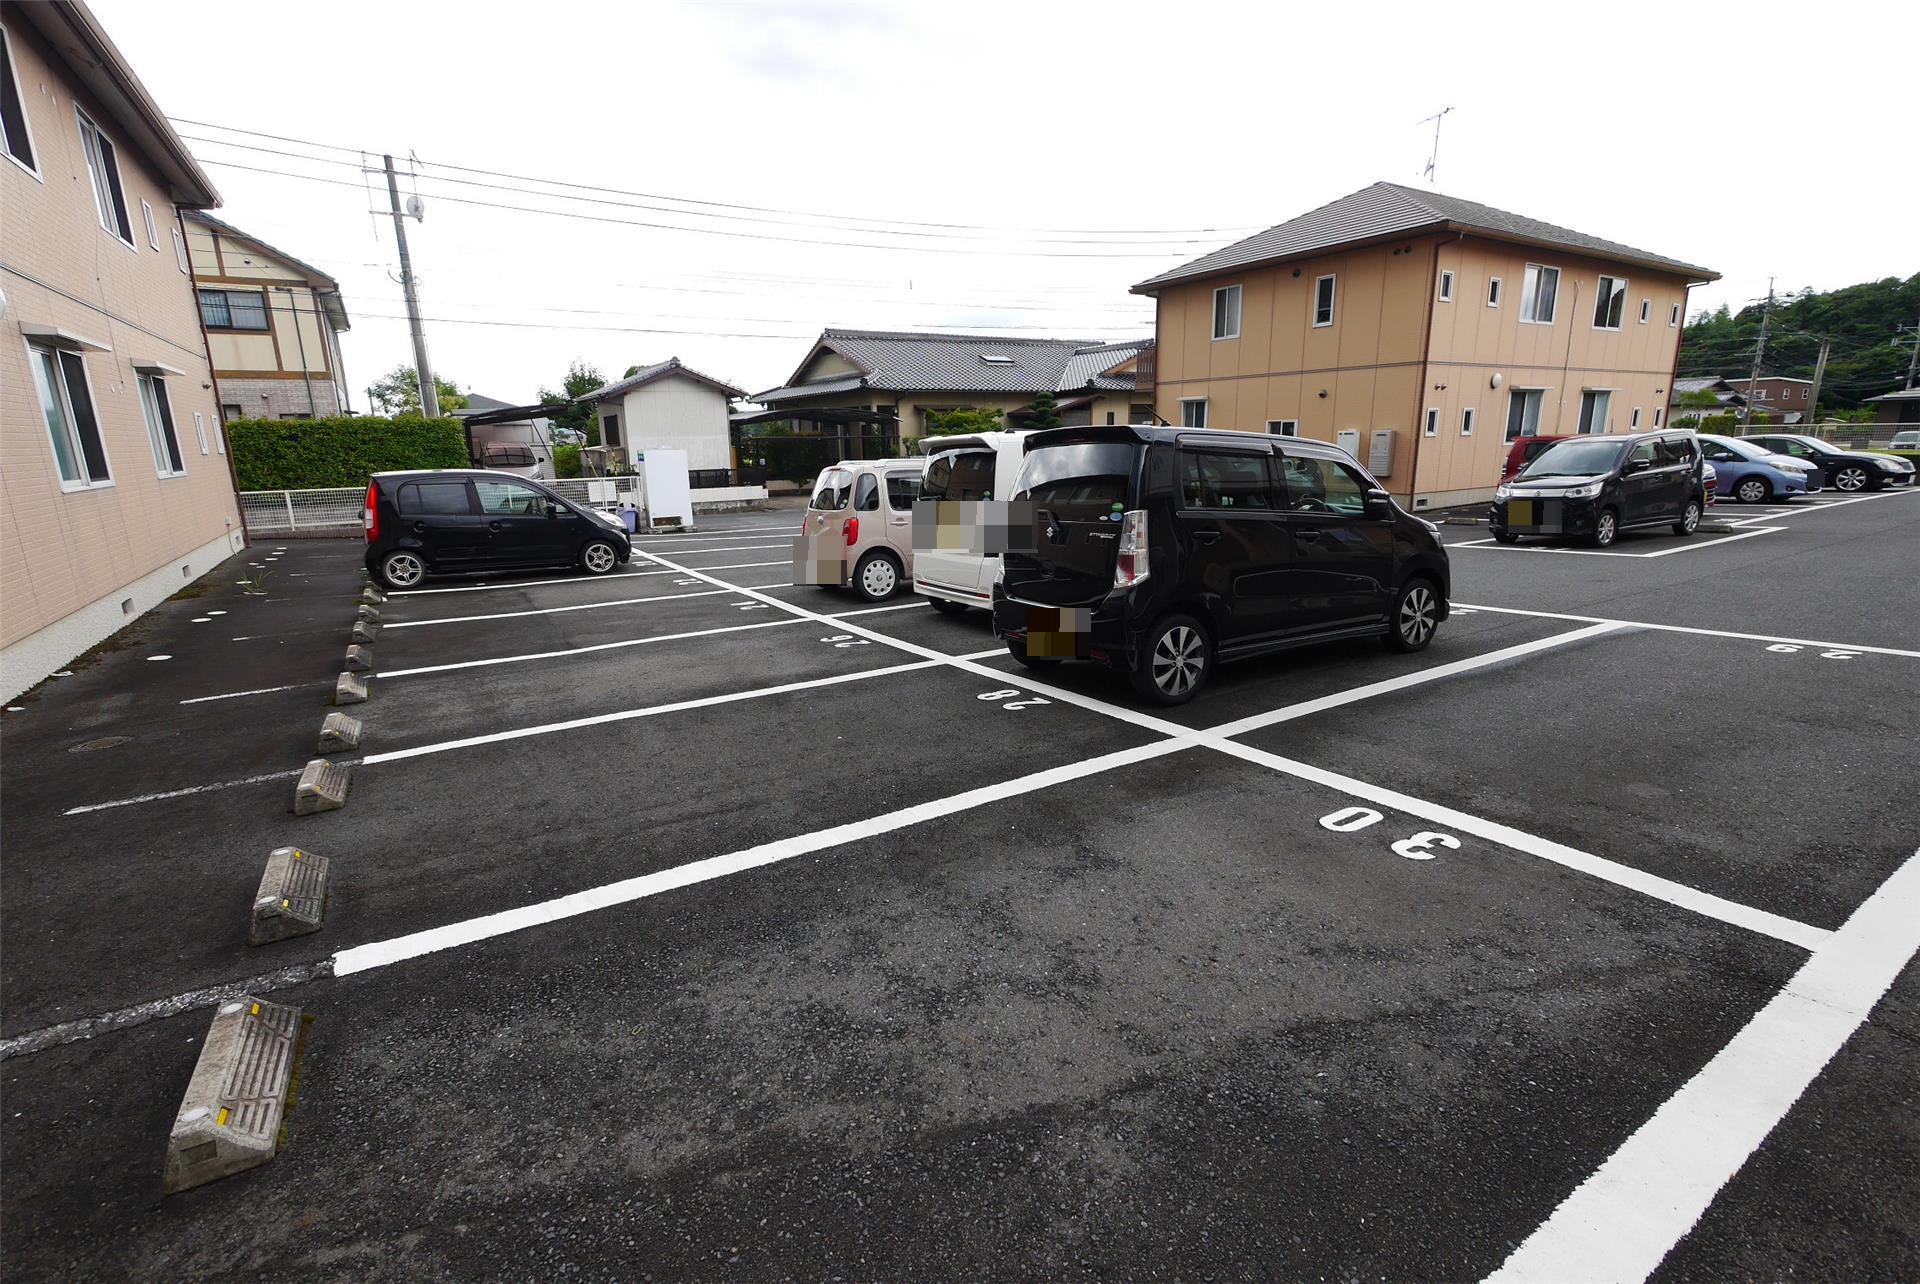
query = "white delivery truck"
{"x": 963, "y": 494}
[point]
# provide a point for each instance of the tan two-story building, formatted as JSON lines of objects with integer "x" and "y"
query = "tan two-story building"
{"x": 273, "y": 325}
{"x": 1422, "y": 332}
{"x": 114, "y": 475}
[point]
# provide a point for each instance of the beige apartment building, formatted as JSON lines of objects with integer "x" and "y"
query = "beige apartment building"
{"x": 273, "y": 325}
{"x": 113, "y": 467}
{"x": 1423, "y": 332}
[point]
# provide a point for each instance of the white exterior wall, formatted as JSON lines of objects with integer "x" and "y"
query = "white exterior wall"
{"x": 676, "y": 413}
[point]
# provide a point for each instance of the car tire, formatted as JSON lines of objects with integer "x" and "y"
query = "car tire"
{"x": 1017, "y": 648}
{"x": 1505, "y": 537}
{"x": 1689, "y": 519}
{"x": 947, "y": 607}
{"x": 1852, "y": 478}
{"x": 1174, "y": 661}
{"x": 877, "y": 577}
{"x": 1753, "y": 490}
{"x": 401, "y": 569}
{"x": 1415, "y": 616}
{"x": 1606, "y": 529}
{"x": 599, "y": 557}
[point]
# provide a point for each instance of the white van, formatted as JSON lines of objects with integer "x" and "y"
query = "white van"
{"x": 948, "y": 568}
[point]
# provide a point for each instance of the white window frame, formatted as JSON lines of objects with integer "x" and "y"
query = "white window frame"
{"x": 200, "y": 430}
{"x": 1605, "y": 415}
{"x": 1673, "y": 317}
{"x": 1530, "y": 294}
{"x": 1620, "y": 289}
{"x": 1656, "y": 416}
{"x": 1646, "y": 310}
{"x": 153, "y": 229}
{"x": 97, "y": 175}
{"x": 219, "y": 427}
{"x": 1432, "y": 425}
{"x": 1283, "y": 427}
{"x": 180, "y": 255}
{"x": 1446, "y": 285}
{"x": 1466, "y": 422}
{"x": 1540, "y": 412}
{"x": 162, "y": 430}
{"x": 1636, "y": 419}
{"x": 1234, "y": 299}
{"x": 26, "y": 119}
{"x": 1493, "y": 291}
{"x": 1333, "y": 297}
{"x": 73, "y": 432}
{"x": 1193, "y": 401}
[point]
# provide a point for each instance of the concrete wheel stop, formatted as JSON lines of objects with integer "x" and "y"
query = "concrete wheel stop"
{"x": 229, "y": 1120}
{"x": 322, "y": 787}
{"x": 347, "y": 689}
{"x": 365, "y": 631}
{"x": 359, "y": 658}
{"x": 292, "y": 898}
{"x": 340, "y": 731}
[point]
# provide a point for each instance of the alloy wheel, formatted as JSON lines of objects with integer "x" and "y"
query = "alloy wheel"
{"x": 1603, "y": 530}
{"x": 599, "y": 558}
{"x": 1416, "y": 616}
{"x": 403, "y": 570}
{"x": 1178, "y": 658}
{"x": 1851, "y": 479}
{"x": 1691, "y": 518}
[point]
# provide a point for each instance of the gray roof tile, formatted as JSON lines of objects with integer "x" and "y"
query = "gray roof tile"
{"x": 647, "y": 374}
{"x": 910, "y": 361}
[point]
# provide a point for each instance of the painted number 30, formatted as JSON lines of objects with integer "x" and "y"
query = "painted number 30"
{"x": 1419, "y": 847}
{"x": 1011, "y": 702}
{"x": 1786, "y": 648}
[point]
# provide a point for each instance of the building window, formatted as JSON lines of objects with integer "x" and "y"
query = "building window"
{"x": 1673, "y": 315}
{"x": 1466, "y": 422}
{"x": 1657, "y": 412}
{"x": 1433, "y": 423}
{"x": 153, "y": 231}
{"x": 230, "y": 412}
{"x": 160, "y": 434}
{"x": 1594, "y": 404}
{"x": 14, "y": 132}
{"x": 1523, "y": 412}
{"x": 180, "y": 250}
{"x": 1539, "y": 290}
{"x": 1323, "y": 301}
{"x": 1226, "y": 312}
{"x": 1446, "y": 287}
{"x": 1610, "y": 303}
{"x": 1193, "y": 412}
{"x": 610, "y": 430}
{"x": 109, "y": 197}
{"x": 200, "y": 430}
{"x": 66, "y": 399}
{"x": 1493, "y": 292}
{"x": 233, "y": 309}
{"x": 1283, "y": 427}
{"x": 1636, "y": 418}
{"x": 1110, "y": 416}
{"x": 1646, "y": 310}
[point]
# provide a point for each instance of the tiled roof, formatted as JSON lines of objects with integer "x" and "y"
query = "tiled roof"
{"x": 818, "y": 388}
{"x": 647, "y": 374}
{"x": 909, "y": 361}
{"x": 1388, "y": 209}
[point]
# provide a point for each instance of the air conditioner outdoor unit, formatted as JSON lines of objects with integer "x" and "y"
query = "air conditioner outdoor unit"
{"x": 1380, "y": 453}
{"x": 1348, "y": 439}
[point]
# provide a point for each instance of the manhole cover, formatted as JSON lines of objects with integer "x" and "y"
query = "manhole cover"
{"x": 104, "y": 742}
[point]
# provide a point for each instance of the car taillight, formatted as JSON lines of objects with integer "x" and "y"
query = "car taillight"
{"x": 1130, "y": 563}
{"x": 371, "y": 517}
{"x": 850, "y": 531}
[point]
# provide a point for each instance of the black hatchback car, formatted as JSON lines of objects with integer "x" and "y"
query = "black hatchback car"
{"x": 1161, "y": 552}
{"x": 1596, "y": 486}
{"x": 1849, "y": 471}
{"x": 433, "y": 522}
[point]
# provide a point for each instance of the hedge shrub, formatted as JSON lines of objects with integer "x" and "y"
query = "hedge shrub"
{"x": 305, "y": 454}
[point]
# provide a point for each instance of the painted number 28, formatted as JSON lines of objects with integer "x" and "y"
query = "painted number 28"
{"x": 1011, "y": 702}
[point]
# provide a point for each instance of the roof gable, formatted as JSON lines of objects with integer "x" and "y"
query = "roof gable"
{"x": 671, "y": 367}
{"x": 915, "y": 361}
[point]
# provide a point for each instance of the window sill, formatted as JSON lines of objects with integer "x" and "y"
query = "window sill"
{"x": 171, "y": 476}
{"x": 1323, "y": 325}
{"x": 1224, "y": 338}
{"x": 1529, "y": 321}
{"x": 74, "y": 488}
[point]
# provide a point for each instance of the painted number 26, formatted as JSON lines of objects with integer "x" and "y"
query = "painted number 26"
{"x": 1009, "y": 696}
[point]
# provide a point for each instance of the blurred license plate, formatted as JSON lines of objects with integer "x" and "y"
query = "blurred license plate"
{"x": 1520, "y": 512}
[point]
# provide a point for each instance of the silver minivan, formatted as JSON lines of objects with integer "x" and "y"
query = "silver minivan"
{"x": 858, "y": 527}
{"x": 956, "y": 556}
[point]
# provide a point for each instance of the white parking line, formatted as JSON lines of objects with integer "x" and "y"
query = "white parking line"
{"x": 1681, "y": 628}
{"x": 181, "y": 793}
{"x": 1692, "y": 545}
{"x": 554, "y": 610}
{"x": 230, "y": 695}
{"x": 566, "y": 579}
{"x": 1821, "y": 505}
{"x": 1621, "y": 1222}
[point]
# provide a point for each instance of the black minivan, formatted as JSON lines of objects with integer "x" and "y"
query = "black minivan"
{"x": 456, "y": 519}
{"x": 1163, "y": 551}
{"x": 1596, "y": 486}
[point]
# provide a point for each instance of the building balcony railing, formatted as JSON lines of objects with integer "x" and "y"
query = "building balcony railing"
{"x": 1144, "y": 370}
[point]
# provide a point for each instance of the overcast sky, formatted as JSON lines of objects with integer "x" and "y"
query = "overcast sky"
{"x": 1061, "y": 152}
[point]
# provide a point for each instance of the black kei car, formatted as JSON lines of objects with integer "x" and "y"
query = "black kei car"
{"x": 451, "y": 520}
{"x": 1848, "y": 471}
{"x": 1161, "y": 552}
{"x": 1594, "y": 487}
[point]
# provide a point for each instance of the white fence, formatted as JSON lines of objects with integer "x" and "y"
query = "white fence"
{"x": 334, "y": 511}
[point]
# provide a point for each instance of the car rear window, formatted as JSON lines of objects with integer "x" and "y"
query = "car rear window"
{"x": 959, "y": 475}
{"x": 430, "y": 497}
{"x": 833, "y": 490}
{"x": 1082, "y": 479}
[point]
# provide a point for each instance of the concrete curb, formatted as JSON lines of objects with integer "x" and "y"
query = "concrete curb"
{"x": 340, "y": 731}
{"x": 292, "y": 898}
{"x": 229, "y": 1119}
{"x": 322, "y": 786}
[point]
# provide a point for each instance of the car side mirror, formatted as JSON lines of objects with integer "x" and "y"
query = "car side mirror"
{"x": 1638, "y": 465}
{"x": 553, "y": 509}
{"x": 1379, "y": 504}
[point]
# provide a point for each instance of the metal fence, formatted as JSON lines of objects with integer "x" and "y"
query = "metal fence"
{"x": 334, "y": 511}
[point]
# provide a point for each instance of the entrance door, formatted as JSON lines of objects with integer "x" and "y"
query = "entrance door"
{"x": 1342, "y": 564}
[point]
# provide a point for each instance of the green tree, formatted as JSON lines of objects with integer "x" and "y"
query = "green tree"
{"x": 946, "y": 423}
{"x": 1860, "y": 321}
{"x": 398, "y": 392}
{"x": 576, "y": 415}
{"x": 1041, "y": 412}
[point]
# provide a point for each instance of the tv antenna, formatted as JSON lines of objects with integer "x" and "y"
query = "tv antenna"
{"x": 1433, "y": 160}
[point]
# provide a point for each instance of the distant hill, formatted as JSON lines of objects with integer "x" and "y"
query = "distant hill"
{"x": 1862, "y": 320}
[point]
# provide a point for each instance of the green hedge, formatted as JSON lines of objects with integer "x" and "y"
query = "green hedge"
{"x": 303, "y": 454}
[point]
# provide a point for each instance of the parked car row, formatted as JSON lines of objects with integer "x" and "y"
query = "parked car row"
{"x": 1158, "y": 552}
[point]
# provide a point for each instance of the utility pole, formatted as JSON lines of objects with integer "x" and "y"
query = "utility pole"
{"x": 1759, "y": 354}
{"x": 1819, "y": 373}
{"x": 1913, "y": 362}
{"x": 429, "y": 391}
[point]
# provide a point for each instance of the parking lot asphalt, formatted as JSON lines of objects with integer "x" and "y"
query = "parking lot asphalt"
{"x": 679, "y": 931}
